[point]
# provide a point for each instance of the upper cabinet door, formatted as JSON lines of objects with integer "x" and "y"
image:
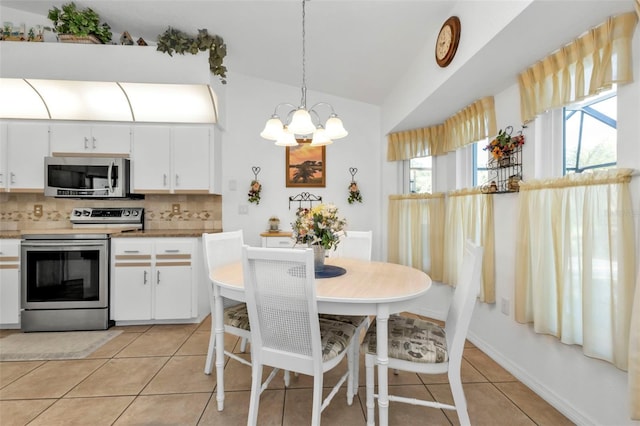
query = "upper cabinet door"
{"x": 27, "y": 145}
{"x": 151, "y": 159}
{"x": 77, "y": 138}
{"x": 191, "y": 159}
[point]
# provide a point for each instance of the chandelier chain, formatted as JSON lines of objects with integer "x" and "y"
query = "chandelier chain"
{"x": 304, "y": 62}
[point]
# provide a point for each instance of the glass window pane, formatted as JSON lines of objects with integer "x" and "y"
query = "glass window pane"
{"x": 420, "y": 175}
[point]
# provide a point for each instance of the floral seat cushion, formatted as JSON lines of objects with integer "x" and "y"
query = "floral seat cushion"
{"x": 237, "y": 316}
{"x": 411, "y": 339}
{"x": 335, "y": 337}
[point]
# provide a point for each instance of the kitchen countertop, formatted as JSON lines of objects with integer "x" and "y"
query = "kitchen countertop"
{"x": 115, "y": 233}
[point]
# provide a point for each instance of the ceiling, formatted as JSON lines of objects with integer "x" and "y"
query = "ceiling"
{"x": 356, "y": 49}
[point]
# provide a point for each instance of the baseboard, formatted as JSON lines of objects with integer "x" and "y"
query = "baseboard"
{"x": 530, "y": 381}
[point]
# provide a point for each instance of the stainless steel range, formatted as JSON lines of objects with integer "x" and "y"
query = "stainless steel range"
{"x": 65, "y": 273}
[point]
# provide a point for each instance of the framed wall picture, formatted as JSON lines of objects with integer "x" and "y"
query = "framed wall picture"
{"x": 306, "y": 165}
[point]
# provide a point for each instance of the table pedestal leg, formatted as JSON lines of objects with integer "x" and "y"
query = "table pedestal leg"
{"x": 383, "y": 363}
{"x": 219, "y": 328}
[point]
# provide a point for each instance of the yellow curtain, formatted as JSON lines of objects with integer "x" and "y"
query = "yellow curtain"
{"x": 416, "y": 232}
{"x": 575, "y": 272}
{"x": 588, "y": 65}
{"x": 469, "y": 214}
{"x": 634, "y": 349}
{"x": 474, "y": 122}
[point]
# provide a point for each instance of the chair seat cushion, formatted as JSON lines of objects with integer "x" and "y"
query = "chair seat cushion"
{"x": 335, "y": 337}
{"x": 237, "y": 316}
{"x": 354, "y": 320}
{"x": 411, "y": 339}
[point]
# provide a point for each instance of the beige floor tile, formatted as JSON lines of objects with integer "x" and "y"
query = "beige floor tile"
{"x": 486, "y": 405}
{"x": 298, "y": 406}
{"x": 164, "y": 328}
{"x": 83, "y": 411}
{"x": 132, "y": 328}
{"x": 468, "y": 375}
{"x": 408, "y": 414}
{"x": 196, "y": 344}
{"x": 402, "y": 378}
{"x": 53, "y": 379}
{"x": 205, "y": 325}
{"x": 535, "y": 407}
{"x": 179, "y": 409}
{"x": 237, "y": 409}
{"x": 486, "y": 366}
{"x": 115, "y": 345}
{"x": 181, "y": 374}
{"x": 13, "y": 370}
{"x": 237, "y": 376}
{"x": 120, "y": 376}
{"x": 21, "y": 412}
{"x": 154, "y": 344}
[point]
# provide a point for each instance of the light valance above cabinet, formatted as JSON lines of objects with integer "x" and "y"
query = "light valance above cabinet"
{"x": 107, "y": 101}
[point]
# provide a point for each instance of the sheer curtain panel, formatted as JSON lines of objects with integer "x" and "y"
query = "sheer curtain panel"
{"x": 469, "y": 215}
{"x": 416, "y": 232}
{"x": 575, "y": 263}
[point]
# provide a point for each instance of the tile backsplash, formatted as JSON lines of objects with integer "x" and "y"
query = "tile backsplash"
{"x": 19, "y": 211}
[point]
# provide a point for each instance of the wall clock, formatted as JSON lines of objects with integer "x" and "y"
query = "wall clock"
{"x": 447, "y": 41}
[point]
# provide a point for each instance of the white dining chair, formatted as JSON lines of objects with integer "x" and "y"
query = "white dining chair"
{"x": 424, "y": 347}
{"x": 286, "y": 331}
{"x": 353, "y": 245}
{"x": 222, "y": 249}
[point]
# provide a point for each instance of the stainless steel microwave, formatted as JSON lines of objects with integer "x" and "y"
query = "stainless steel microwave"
{"x": 86, "y": 177}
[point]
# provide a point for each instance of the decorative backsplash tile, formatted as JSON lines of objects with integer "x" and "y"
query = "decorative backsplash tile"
{"x": 17, "y": 211}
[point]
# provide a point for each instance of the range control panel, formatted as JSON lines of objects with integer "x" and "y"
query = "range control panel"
{"x": 106, "y": 215}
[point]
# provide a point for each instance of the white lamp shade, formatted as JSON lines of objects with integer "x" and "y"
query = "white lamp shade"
{"x": 301, "y": 123}
{"x": 286, "y": 138}
{"x": 320, "y": 137}
{"x": 334, "y": 128}
{"x": 273, "y": 129}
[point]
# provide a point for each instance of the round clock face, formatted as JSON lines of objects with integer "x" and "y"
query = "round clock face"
{"x": 447, "y": 42}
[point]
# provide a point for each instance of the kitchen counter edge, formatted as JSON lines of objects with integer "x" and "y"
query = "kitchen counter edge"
{"x": 150, "y": 233}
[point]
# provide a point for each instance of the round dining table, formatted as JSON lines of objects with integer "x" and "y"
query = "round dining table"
{"x": 366, "y": 288}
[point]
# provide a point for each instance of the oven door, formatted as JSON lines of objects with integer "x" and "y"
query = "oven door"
{"x": 64, "y": 274}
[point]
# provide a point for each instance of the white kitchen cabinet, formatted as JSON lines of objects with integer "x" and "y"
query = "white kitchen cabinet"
{"x": 9, "y": 282}
{"x": 22, "y": 153}
{"x": 277, "y": 239}
{"x": 172, "y": 159}
{"x": 90, "y": 139}
{"x": 153, "y": 279}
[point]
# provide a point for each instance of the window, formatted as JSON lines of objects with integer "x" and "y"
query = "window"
{"x": 420, "y": 175}
{"x": 480, "y": 158}
{"x": 590, "y": 134}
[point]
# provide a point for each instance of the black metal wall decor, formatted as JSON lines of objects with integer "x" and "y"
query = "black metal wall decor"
{"x": 505, "y": 162}
{"x": 305, "y": 197}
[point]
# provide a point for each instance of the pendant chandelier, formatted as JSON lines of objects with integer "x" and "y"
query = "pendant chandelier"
{"x": 302, "y": 121}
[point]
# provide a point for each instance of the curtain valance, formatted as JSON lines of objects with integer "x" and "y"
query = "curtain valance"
{"x": 590, "y": 64}
{"x": 474, "y": 122}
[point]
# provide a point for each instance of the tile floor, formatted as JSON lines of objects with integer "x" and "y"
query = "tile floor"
{"x": 153, "y": 375}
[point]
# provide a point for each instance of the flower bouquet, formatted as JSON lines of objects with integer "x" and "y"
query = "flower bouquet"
{"x": 504, "y": 144}
{"x": 319, "y": 225}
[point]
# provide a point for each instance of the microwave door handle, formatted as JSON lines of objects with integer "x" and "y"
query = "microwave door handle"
{"x": 110, "y": 179}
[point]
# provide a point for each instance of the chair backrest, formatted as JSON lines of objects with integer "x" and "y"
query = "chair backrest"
{"x": 354, "y": 244}
{"x": 463, "y": 301}
{"x": 280, "y": 294}
{"x": 220, "y": 249}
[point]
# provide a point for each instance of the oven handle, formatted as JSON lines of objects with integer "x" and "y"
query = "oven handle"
{"x": 74, "y": 243}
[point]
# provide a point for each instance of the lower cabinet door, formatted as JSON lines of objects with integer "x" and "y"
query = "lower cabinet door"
{"x": 132, "y": 293}
{"x": 172, "y": 291}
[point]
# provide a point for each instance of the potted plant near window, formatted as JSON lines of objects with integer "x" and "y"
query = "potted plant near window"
{"x": 75, "y": 25}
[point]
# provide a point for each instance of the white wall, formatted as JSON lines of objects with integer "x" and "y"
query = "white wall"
{"x": 249, "y": 103}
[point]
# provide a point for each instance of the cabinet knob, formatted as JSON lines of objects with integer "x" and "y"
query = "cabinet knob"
{"x": 86, "y": 142}
{"x": 145, "y": 278}
{"x": 177, "y": 181}
{"x": 93, "y": 139}
{"x": 164, "y": 180}
{"x": 12, "y": 177}
{"x": 158, "y": 277}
